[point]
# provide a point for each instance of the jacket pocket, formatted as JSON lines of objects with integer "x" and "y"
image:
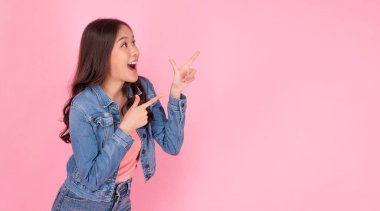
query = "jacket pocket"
{"x": 103, "y": 119}
{"x": 103, "y": 126}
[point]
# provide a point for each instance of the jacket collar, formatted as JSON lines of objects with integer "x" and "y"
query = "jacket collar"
{"x": 103, "y": 97}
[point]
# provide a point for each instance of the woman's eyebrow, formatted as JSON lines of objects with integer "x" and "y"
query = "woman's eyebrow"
{"x": 124, "y": 37}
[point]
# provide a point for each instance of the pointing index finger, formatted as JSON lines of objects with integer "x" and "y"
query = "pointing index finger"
{"x": 192, "y": 59}
{"x": 150, "y": 102}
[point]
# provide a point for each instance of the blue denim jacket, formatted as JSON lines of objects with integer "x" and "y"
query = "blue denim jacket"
{"x": 99, "y": 144}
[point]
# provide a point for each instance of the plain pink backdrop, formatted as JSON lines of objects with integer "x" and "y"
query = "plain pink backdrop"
{"x": 283, "y": 114}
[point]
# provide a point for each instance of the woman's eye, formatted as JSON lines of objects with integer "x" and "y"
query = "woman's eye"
{"x": 124, "y": 44}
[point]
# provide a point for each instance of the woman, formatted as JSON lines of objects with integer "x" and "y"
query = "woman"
{"x": 113, "y": 118}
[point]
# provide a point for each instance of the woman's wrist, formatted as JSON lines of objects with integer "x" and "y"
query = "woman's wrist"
{"x": 125, "y": 129}
{"x": 175, "y": 93}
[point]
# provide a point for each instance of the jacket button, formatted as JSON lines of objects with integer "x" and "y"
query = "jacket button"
{"x": 143, "y": 151}
{"x": 146, "y": 165}
{"x": 183, "y": 105}
{"x": 144, "y": 135}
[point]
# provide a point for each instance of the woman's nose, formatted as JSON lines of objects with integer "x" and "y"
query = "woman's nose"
{"x": 135, "y": 51}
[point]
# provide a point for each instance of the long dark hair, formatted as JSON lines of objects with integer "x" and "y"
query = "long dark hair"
{"x": 94, "y": 60}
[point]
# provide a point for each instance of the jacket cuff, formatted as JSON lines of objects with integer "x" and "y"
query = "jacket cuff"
{"x": 123, "y": 138}
{"x": 178, "y": 104}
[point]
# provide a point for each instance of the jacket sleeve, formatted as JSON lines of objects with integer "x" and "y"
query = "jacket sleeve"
{"x": 95, "y": 165}
{"x": 169, "y": 132}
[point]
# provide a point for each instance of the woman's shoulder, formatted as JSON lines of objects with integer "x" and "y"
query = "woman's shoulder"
{"x": 84, "y": 98}
{"x": 145, "y": 81}
{"x": 148, "y": 86}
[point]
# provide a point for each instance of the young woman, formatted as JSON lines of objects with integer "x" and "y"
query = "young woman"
{"x": 113, "y": 118}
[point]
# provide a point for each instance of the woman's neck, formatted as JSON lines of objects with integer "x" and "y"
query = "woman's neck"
{"x": 113, "y": 90}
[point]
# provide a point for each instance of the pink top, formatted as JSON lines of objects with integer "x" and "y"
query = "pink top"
{"x": 129, "y": 163}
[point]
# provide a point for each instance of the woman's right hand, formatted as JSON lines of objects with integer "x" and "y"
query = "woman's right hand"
{"x": 137, "y": 115}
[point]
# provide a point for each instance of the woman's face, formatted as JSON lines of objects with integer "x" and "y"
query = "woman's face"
{"x": 124, "y": 57}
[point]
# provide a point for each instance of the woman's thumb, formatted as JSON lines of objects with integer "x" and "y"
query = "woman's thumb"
{"x": 174, "y": 65}
{"x": 136, "y": 102}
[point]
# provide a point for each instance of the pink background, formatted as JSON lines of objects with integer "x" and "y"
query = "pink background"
{"x": 283, "y": 114}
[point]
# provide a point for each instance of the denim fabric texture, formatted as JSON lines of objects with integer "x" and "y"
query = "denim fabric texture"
{"x": 68, "y": 200}
{"x": 99, "y": 144}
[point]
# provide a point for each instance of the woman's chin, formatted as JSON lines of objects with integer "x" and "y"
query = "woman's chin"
{"x": 132, "y": 79}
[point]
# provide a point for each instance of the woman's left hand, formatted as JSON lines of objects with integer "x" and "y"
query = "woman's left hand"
{"x": 183, "y": 76}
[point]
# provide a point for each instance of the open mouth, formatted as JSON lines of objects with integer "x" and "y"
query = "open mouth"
{"x": 132, "y": 65}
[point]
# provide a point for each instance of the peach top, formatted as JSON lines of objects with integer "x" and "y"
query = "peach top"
{"x": 129, "y": 163}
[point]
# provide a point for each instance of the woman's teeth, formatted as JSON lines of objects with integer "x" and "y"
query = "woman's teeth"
{"x": 132, "y": 65}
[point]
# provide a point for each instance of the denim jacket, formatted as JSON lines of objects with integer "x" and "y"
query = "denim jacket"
{"x": 99, "y": 144}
